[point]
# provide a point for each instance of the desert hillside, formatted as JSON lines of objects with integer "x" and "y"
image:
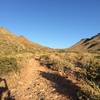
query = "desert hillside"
{"x": 30, "y": 71}
{"x": 88, "y": 44}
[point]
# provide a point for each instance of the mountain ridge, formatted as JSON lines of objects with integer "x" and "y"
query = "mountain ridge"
{"x": 88, "y": 44}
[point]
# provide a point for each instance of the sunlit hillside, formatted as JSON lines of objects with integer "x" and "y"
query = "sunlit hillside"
{"x": 35, "y": 71}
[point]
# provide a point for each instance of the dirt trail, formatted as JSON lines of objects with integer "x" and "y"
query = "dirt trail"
{"x": 36, "y": 82}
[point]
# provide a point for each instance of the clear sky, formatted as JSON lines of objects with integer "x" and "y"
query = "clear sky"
{"x": 53, "y": 23}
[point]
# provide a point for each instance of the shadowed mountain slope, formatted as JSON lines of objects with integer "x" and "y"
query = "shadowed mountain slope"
{"x": 88, "y": 44}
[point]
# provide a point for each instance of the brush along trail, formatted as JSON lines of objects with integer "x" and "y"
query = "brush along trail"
{"x": 36, "y": 82}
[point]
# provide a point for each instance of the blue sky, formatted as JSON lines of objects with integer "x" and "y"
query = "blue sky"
{"x": 53, "y": 23}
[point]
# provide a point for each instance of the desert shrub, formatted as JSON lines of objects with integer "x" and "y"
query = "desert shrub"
{"x": 87, "y": 95}
{"x": 82, "y": 96}
{"x": 45, "y": 60}
{"x": 61, "y": 51}
{"x": 93, "y": 72}
{"x": 98, "y": 57}
{"x": 90, "y": 71}
{"x": 55, "y": 63}
{"x": 98, "y": 49}
{"x": 88, "y": 91}
{"x": 2, "y": 42}
{"x": 7, "y": 65}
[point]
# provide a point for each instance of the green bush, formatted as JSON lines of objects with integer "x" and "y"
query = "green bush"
{"x": 1, "y": 42}
{"x": 7, "y": 65}
{"x": 93, "y": 72}
{"x": 54, "y": 63}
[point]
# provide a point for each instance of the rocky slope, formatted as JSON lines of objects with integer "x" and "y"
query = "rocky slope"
{"x": 88, "y": 44}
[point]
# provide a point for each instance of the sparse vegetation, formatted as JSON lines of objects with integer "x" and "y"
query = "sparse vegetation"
{"x": 85, "y": 65}
{"x": 7, "y": 65}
